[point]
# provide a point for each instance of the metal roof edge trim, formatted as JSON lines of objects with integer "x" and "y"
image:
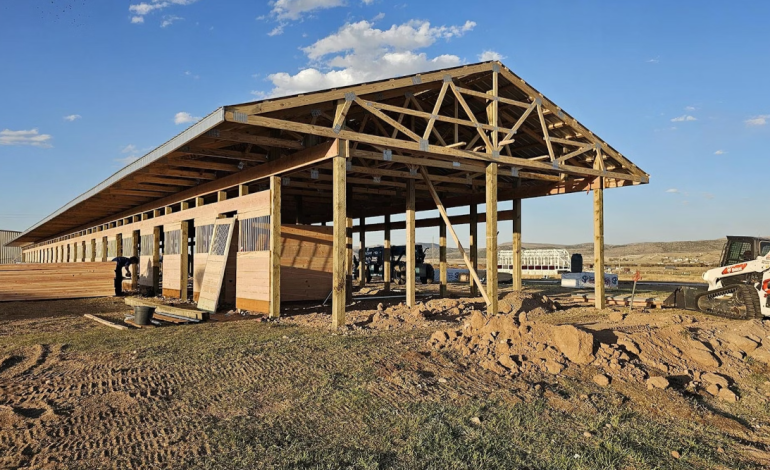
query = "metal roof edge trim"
{"x": 196, "y": 130}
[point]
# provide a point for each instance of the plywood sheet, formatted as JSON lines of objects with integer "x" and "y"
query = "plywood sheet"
{"x": 216, "y": 264}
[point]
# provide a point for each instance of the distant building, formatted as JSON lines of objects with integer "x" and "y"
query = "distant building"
{"x": 9, "y": 254}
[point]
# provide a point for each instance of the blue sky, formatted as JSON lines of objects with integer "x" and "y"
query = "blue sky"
{"x": 680, "y": 88}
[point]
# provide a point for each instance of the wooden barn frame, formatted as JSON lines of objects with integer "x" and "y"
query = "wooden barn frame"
{"x": 457, "y": 137}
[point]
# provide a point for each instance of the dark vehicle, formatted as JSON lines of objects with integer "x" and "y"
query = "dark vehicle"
{"x": 375, "y": 262}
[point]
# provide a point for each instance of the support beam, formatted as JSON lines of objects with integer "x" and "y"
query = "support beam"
{"x": 340, "y": 260}
{"x": 156, "y": 233}
{"x": 442, "y": 259}
{"x": 183, "y": 259}
{"x": 599, "y": 244}
{"x": 491, "y": 245}
{"x": 442, "y": 211}
{"x": 275, "y": 247}
{"x": 362, "y": 253}
{"x": 473, "y": 245}
{"x": 516, "y": 246}
{"x": 386, "y": 267}
{"x": 135, "y": 240}
{"x": 411, "y": 292}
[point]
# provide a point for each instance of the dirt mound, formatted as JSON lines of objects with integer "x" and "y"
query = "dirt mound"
{"x": 433, "y": 310}
{"x": 683, "y": 354}
{"x": 516, "y": 302}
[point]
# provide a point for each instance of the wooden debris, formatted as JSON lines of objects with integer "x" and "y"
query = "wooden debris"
{"x": 106, "y": 322}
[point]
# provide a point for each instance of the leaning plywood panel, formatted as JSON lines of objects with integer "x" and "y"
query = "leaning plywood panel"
{"x": 56, "y": 281}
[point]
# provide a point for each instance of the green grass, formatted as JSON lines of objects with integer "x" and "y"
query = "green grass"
{"x": 315, "y": 404}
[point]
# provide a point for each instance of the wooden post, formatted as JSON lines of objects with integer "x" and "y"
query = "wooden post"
{"x": 411, "y": 292}
{"x": 156, "y": 233}
{"x": 119, "y": 244}
{"x": 340, "y": 231}
{"x": 105, "y": 246}
{"x": 221, "y": 196}
{"x": 183, "y": 260}
{"x": 472, "y": 245}
{"x": 599, "y": 244}
{"x": 275, "y": 247}
{"x": 243, "y": 190}
{"x": 362, "y": 253}
{"x": 348, "y": 253}
{"x": 136, "y": 239}
{"x": 93, "y": 250}
{"x": 516, "y": 246}
{"x": 386, "y": 255}
{"x": 442, "y": 258}
{"x": 83, "y": 250}
{"x": 491, "y": 225}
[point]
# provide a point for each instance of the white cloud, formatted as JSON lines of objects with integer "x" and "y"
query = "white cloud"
{"x": 126, "y": 160}
{"x": 654, "y": 60}
{"x": 192, "y": 75}
{"x": 140, "y": 10}
{"x": 673, "y": 191}
{"x": 130, "y": 148}
{"x": 31, "y": 137}
{"x": 295, "y": 9}
{"x": 683, "y": 118}
{"x": 490, "y": 55}
{"x": 708, "y": 196}
{"x": 720, "y": 152}
{"x": 72, "y": 117}
{"x": 168, "y": 20}
{"x": 378, "y": 16}
{"x": 359, "y": 52}
{"x": 278, "y": 30}
{"x": 760, "y": 120}
{"x": 185, "y": 118}
{"x": 368, "y": 2}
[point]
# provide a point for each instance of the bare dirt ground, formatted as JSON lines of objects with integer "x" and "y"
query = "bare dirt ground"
{"x": 441, "y": 385}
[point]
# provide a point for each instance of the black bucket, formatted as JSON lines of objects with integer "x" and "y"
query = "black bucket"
{"x": 142, "y": 315}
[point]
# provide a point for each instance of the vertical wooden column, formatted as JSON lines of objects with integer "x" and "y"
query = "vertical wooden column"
{"x": 156, "y": 233}
{"x": 104, "y": 250}
{"x": 599, "y": 243}
{"x": 411, "y": 291}
{"x": 275, "y": 247}
{"x": 362, "y": 253}
{"x": 516, "y": 246}
{"x": 386, "y": 268}
{"x": 473, "y": 246}
{"x": 119, "y": 244}
{"x": 442, "y": 258}
{"x": 491, "y": 204}
{"x": 348, "y": 252}
{"x": 184, "y": 234}
{"x": 136, "y": 239}
{"x": 93, "y": 250}
{"x": 340, "y": 232}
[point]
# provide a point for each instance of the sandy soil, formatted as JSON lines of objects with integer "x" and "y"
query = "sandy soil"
{"x": 75, "y": 394}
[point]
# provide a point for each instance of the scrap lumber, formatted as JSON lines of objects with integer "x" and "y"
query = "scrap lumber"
{"x": 621, "y": 300}
{"x": 21, "y": 282}
{"x": 106, "y": 322}
{"x": 167, "y": 309}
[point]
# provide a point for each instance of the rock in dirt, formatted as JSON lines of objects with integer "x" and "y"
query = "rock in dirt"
{"x": 476, "y": 420}
{"x": 601, "y": 380}
{"x": 700, "y": 353}
{"x": 727, "y": 395}
{"x": 715, "y": 379}
{"x": 617, "y": 316}
{"x": 657, "y": 382}
{"x": 713, "y": 389}
{"x": 576, "y": 344}
{"x": 553, "y": 367}
{"x": 761, "y": 354}
{"x": 629, "y": 344}
{"x": 675, "y": 454}
{"x": 740, "y": 342}
{"x": 438, "y": 338}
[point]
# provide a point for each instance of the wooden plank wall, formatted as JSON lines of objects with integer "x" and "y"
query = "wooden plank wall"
{"x": 306, "y": 262}
{"x": 56, "y": 281}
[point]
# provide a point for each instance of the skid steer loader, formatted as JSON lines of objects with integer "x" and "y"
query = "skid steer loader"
{"x": 738, "y": 289}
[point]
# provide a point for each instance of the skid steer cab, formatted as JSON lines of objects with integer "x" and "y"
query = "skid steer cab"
{"x": 739, "y": 288}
